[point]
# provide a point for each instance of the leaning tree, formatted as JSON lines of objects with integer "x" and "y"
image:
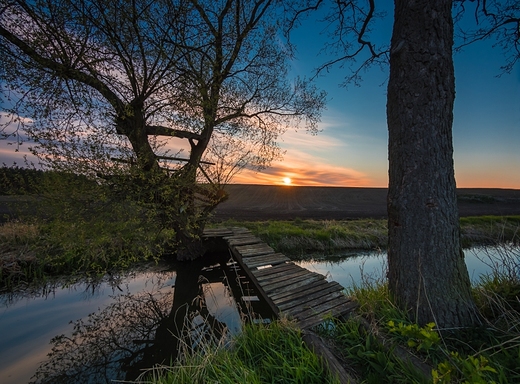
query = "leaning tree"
{"x": 427, "y": 275}
{"x": 103, "y": 88}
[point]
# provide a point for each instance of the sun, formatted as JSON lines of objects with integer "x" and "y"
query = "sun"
{"x": 287, "y": 180}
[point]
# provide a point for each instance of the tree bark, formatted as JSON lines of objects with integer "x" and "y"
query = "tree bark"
{"x": 426, "y": 270}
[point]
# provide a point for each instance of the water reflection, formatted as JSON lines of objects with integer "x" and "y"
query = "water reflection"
{"x": 352, "y": 269}
{"x": 137, "y": 322}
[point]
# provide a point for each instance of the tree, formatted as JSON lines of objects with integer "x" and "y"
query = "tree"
{"x": 426, "y": 270}
{"x": 427, "y": 275}
{"x": 495, "y": 19}
{"x": 104, "y": 83}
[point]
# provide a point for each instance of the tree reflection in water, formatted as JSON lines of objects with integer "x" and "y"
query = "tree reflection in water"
{"x": 137, "y": 331}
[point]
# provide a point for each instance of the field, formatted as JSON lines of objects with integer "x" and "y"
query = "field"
{"x": 264, "y": 202}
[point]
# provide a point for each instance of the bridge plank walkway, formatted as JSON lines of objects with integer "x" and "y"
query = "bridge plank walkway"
{"x": 288, "y": 288}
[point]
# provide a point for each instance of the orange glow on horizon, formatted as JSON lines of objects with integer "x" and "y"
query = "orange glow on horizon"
{"x": 314, "y": 177}
{"x": 305, "y": 175}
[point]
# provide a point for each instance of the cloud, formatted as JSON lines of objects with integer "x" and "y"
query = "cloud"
{"x": 304, "y": 173}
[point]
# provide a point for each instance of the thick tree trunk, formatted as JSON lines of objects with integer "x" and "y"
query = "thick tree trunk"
{"x": 427, "y": 272}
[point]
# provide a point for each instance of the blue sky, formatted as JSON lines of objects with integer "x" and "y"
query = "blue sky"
{"x": 351, "y": 149}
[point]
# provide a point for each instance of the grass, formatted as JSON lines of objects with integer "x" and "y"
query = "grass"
{"x": 108, "y": 235}
{"x": 74, "y": 244}
{"x": 302, "y": 236}
{"x": 488, "y": 230}
{"x": 271, "y": 353}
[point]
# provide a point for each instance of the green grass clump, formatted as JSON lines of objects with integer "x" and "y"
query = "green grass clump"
{"x": 301, "y": 236}
{"x": 271, "y": 353}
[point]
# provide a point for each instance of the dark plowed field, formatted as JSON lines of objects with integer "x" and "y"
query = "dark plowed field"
{"x": 263, "y": 202}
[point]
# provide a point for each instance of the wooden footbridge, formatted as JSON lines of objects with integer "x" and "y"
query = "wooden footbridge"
{"x": 288, "y": 288}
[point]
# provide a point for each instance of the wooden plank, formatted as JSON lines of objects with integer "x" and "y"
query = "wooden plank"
{"x": 249, "y": 240}
{"x": 274, "y": 269}
{"x": 324, "y": 301}
{"x": 244, "y": 249}
{"x": 341, "y": 310}
{"x": 294, "y": 285}
{"x": 303, "y": 292}
{"x": 303, "y": 301}
{"x": 333, "y": 307}
{"x": 235, "y": 236}
{"x": 268, "y": 257}
{"x": 306, "y": 289}
{"x": 286, "y": 275}
{"x": 279, "y": 279}
{"x": 245, "y": 252}
{"x": 257, "y": 252}
{"x": 265, "y": 261}
{"x": 271, "y": 260}
{"x": 241, "y": 248}
{"x": 237, "y": 231}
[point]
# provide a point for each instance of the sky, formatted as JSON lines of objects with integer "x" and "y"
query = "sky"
{"x": 351, "y": 148}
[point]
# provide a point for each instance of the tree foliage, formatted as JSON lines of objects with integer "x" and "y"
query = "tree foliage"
{"x": 104, "y": 88}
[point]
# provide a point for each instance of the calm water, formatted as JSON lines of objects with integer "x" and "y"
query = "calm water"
{"x": 116, "y": 327}
{"x": 121, "y": 325}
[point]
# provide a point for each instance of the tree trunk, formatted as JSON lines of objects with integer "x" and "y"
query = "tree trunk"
{"x": 427, "y": 273}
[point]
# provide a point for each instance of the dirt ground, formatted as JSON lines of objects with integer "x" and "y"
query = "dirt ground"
{"x": 262, "y": 202}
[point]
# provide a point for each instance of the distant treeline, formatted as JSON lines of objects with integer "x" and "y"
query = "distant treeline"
{"x": 29, "y": 181}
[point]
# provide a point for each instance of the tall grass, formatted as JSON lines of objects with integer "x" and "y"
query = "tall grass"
{"x": 78, "y": 227}
{"x": 271, "y": 353}
{"x": 297, "y": 237}
{"x": 300, "y": 236}
{"x": 18, "y": 259}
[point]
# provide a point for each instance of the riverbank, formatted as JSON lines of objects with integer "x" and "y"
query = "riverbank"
{"x": 299, "y": 237}
{"x": 32, "y": 250}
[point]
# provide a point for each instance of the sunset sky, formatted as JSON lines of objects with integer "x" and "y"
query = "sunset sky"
{"x": 351, "y": 149}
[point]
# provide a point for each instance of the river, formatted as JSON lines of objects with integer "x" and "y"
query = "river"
{"x": 114, "y": 327}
